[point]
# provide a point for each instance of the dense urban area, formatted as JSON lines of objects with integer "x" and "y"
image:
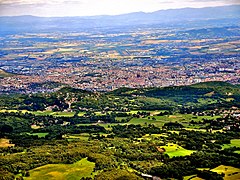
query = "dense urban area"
{"x": 106, "y": 61}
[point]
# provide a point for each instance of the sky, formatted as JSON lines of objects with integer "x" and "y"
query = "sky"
{"x": 61, "y": 8}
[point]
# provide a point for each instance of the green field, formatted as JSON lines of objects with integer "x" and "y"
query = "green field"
{"x": 192, "y": 177}
{"x": 82, "y": 136}
{"x": 154, "y": 112}
{"x": 81, "y": 114}
{"x": 202, "y": 130}
{"x": 231, "y": 173}
{"x": 13, "y": 111}
{"x": 158, "y": 120}
{"x": 207, "y": 101}
{"x": 80, "y": 169}
{"x": 40, "y": 135}
{"x": 184, "y": 119}
{"x": 56, "y": 114}
{"x": 42, "y": 113}
{"x": 234, "y": 142}
{"x": 176, "y": 150}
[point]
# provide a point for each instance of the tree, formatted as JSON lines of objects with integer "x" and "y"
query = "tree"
{"x": 6, "y": 128}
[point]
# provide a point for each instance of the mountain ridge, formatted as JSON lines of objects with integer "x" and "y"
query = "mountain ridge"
{"x": 132, "y": 13}
{"x": 229, "y": 15}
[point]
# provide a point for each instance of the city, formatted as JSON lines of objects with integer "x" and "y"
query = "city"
{"x": 104, "y": 62}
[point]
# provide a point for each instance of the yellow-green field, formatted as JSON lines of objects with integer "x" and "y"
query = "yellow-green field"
{"x": 83, "y": 168}
{"x": 42, "y": 113}
{"x": 5, "y": 143}
{"x": 82, "y": 136}
{"x": 81, "y": 114}
{"x": 13, "y": 111}
{"x": 176, "y": 150}
{"x": 192, "y": 177}
{"x": 40, "y": 135}
{"x": 231, "y": 173}
{"x": 151, "y": 112}
{"x": 234, "y": 142}
{"x": 56, "y": 114}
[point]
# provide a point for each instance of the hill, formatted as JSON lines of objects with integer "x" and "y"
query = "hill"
{"x": 203, "y": 95}
{"x": 221, "y": 88}
{"x": 5, "y": 74}
{"x": 208, "y": 95}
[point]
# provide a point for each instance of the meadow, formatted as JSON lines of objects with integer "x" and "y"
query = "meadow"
{"x": 40, "y": 135}
{"x": 176, "y": 150}
{"x": 82, "y": 168}
{"x": 231, "y": 173}
{"x": 234, "y": 143}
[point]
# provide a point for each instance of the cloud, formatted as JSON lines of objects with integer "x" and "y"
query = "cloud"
{"x": 36, "y": 2}
{"x": 215, "y": 1}
{"x": 18, "y": 2}
{"x": 97, "y": 7}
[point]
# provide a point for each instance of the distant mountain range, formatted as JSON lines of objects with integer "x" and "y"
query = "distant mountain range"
{"x": 229, "y": 15}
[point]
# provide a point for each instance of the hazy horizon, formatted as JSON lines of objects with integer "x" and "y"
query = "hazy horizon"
{"x": 63, "y": 8}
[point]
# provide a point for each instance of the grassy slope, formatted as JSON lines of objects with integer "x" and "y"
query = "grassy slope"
{"x": 234, "y": 142}
{"x": 176, "y": 150}
{"x": 80, "y": 169}
{"x": 231, "y": 173}
{"x": 40, "y": 135}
